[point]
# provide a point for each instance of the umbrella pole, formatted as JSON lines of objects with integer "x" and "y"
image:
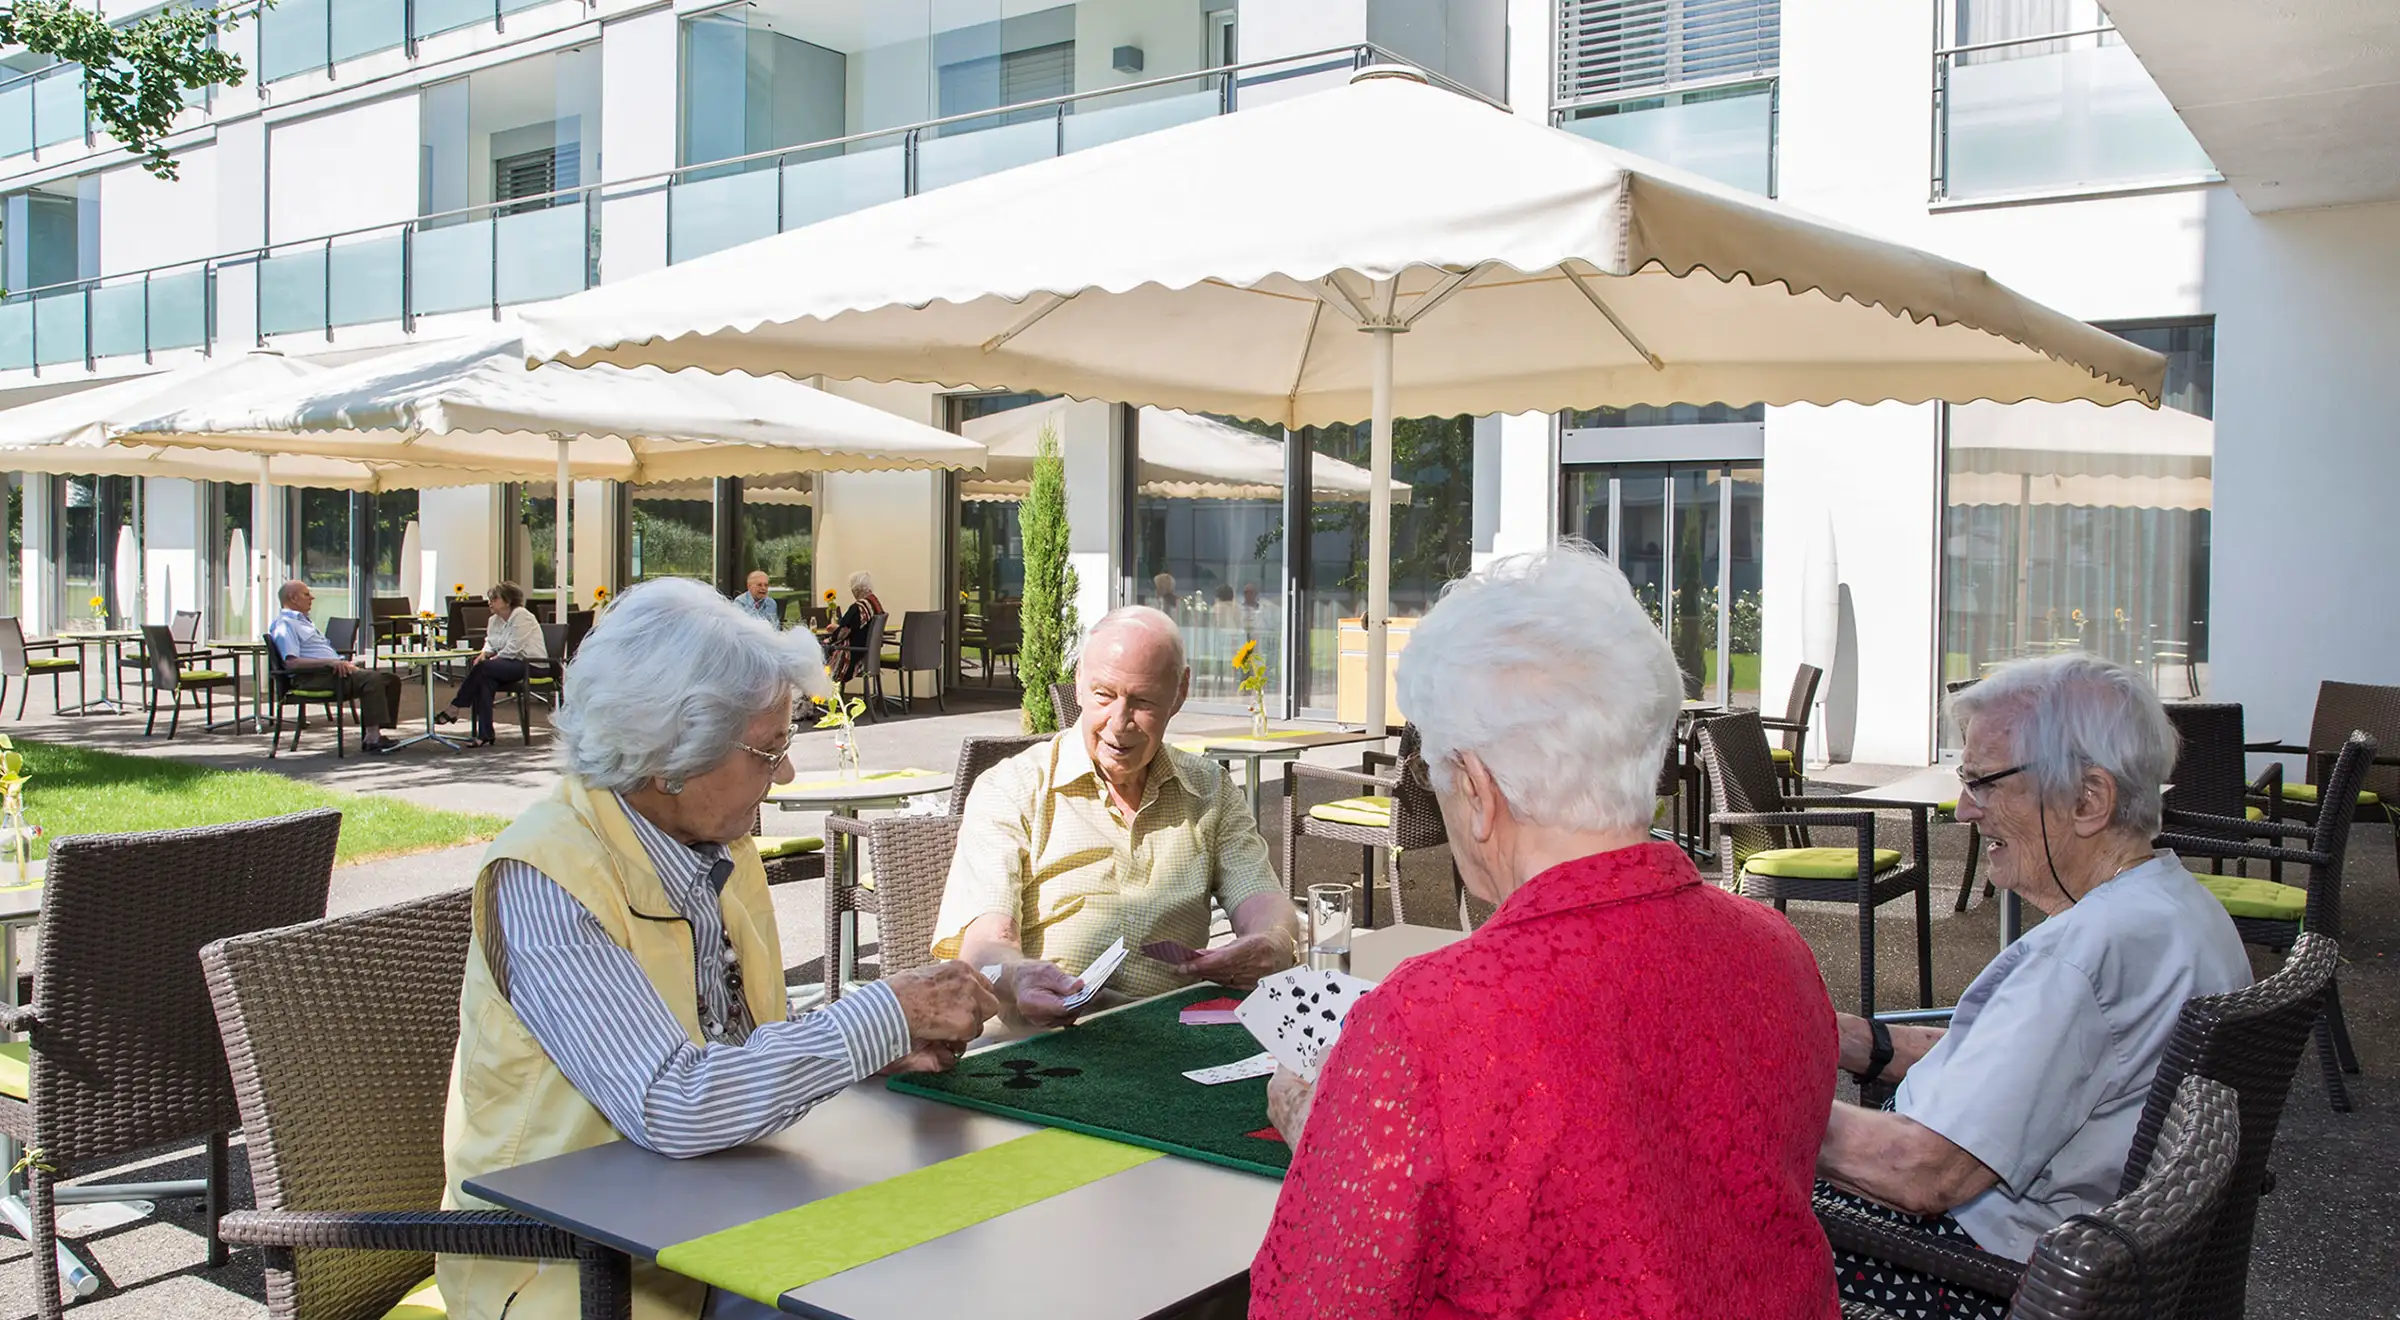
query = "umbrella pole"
{"x": 261, "y": 553}
{"x": 1379, "y": 525}
{"x": 566, "y": 510}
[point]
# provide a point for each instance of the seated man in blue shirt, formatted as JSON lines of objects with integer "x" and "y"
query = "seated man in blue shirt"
{"x": 305, "y": 649}
{"x": 756, "y": 603}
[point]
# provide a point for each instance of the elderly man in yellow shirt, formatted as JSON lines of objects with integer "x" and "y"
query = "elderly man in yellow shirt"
{"x": 1106, "y": 832}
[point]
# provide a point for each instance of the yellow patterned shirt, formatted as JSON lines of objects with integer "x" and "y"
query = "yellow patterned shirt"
{"x": 1041, "y": 846}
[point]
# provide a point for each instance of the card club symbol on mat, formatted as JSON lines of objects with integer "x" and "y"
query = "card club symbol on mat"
{"x": 1026, "y": 1074}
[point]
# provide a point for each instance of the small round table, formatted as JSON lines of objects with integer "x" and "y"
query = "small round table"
{"x": 426, "y": 660}
{"x": 238, "y": 647}
{"x": 1230, "y": 745}
{"x": 842, "y": 796}
{"x": 111, "y": 641}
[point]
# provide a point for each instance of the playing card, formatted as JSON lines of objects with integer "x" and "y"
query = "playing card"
{"x": 1096, "y": 975}
{"x": 1257, "y": 1065}
{"x": 1298, "y": 1014}
{"x": 1210, "y": 1013}
{"x": 1169, "y": 951}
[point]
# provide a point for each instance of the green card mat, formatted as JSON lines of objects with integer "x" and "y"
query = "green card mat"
{"x": 765, "y": 1258}
{"x": 1120, "y": 1076}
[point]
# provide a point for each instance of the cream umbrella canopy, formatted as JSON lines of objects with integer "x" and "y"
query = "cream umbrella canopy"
{"x": 474, "y": 403}
{"x": 1183, "y": 455}
{"x": 1493, "y": 264}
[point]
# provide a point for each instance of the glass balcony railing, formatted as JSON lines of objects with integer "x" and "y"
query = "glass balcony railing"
{"x": 482, "y": 259}
{"x": 42, "y": 109}
{"x": 305, "y": 36}
{"x": 1725, "y": 133}
{"x": 2069, "y": 113}
{"x": 128, "y": 315}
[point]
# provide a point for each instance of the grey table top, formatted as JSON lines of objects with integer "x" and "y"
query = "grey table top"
{"x": 1129, "y": 1245}
{"x": 1929, "y": 787}
{"x": 820, "y": 790}
{"x": 1278, "y": 742}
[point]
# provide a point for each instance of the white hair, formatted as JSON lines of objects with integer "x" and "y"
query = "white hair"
{"x": 1548, "y": 669}
{"x": 2073, "y": 712}
{"x": 861, "y": 584}
{"x": 666, "y": 681}
{"x": 1140, "y": 618}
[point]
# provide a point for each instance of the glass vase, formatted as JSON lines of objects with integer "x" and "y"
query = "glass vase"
{"x": 1258, "y": 717}
{"x": 845, "y": 751}
{"x": 16, "y": 839}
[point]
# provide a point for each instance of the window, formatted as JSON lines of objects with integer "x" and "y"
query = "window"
{"x": 2041, "y": 96}
{"x": 1010, "y": 78}
{"x": 535, "y": 174}
{"x": 2075, "y": 527}
{"x": 1688, "y": 82}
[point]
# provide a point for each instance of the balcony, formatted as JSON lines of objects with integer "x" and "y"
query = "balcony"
{"x": 1723, "y": 131}
{"x": 481, "y": 259}
{"x": 42, "y": 109}
{"x": 119, "y": 315}
{"x": 312, "y": 36}
{"x": 2069, "y": 113}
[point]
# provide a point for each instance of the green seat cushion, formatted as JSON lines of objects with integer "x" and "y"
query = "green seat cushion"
{"x": 2308, "y": 793}
{"x": 2254, "y": 813}
{"x": 1782, "y": 755}
{"x": 542, "y": 680}
{"x": 204, "y": 676}
{"x": 2263, "y": 900}
{"x": 16, "y": 1078}
{"x": 1816, "y": 863}
{"x": 309, "y": 694}
{"x": 1949, "y": 808}
{"x": 772, "y": 846}
{"x": 1373, "y": 813}
{"x": 423, "y": 1304}
{"x": 49, "y": 666}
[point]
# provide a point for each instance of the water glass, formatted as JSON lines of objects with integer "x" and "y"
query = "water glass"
{"x": 1329, "y": 927}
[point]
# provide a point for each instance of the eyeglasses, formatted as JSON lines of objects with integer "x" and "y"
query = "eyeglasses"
{"x": 771, "y": 760}
{"x": 1978, "y": 786}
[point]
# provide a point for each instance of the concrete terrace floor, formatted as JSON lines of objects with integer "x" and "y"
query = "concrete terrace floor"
{"x": 2326, "y": 1247}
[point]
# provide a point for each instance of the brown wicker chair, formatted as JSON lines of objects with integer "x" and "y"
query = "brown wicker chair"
{"x": 1756, "y": 854}
{"x": 1064, "y": 704}
{"x": 339, "y": 1034}
{"x": 1396, "y": 813}
{"x": 787, "y": 857}
{"x": 123, "y": 1054}
{"x": 169, "y": 679}
{"x": 911, "y": 860}
{"x": 2271, "y": 914}
{"x": 1791, "y": 756}
{"x": 19, "y": 661}
{"x": 2248, "y": 1040}
{"x": 976, "y": 755}
{"x": 2134, "y": 1258}
{"x": 2342, "y": 708}
{"x": 2211, "y": 768}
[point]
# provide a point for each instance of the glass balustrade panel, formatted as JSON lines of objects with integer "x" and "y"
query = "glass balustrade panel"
{"x": 362, "y": 27}
{"x": 179, "y": 309}
{"x": 820, "y": 189}
{"x": 291, "y": 39}
{"x": 970, "y": 151}
{"x": 362, "y": 280}
{"x": 1729, "y": 138}
{"x": 119, "y": 312}
{"x": 291, "y": 291}
{"x": 16, "y": 118}
{"x": 450, "y": 268}
{"x": 711, "y": 214}
{"x": 1110, "y": 120}
{"x": 58, "y": 106}
{"x": 442, "y": 15}
{"x": 2084, "y": 117}
{"x": 16, "y": 334}
{"x": 542, "y": 254}
{"x": 58, "y": 327}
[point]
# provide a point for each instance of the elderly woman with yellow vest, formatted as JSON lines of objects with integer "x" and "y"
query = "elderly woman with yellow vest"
{"x": 625, "y": 981}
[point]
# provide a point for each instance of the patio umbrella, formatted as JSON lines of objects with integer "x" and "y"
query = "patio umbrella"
{"x": 1183, "y": 456}
{"x": 473, "y": 403}
{"x": 1494, "y": 264}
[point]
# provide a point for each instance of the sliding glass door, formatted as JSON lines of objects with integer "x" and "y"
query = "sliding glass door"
{"x": 1687, "y": 537}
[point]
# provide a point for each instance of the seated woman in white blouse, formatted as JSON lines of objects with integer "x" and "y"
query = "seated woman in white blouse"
{"x": 513, "y": 640}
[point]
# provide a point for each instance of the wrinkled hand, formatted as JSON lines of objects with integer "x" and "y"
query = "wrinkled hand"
{"x": 344, "y": 668}
{"x": 928, "y": 1056}
{"x": 1289, "y": 1098}
{"x": 1040, "y": 990}
{"x": 1240, "y": 964}
{"x": 944, "y": 1002}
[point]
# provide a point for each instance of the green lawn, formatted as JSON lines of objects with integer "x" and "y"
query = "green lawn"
{"x": 77, "y": 791}
{"x": 1745, "y": 673}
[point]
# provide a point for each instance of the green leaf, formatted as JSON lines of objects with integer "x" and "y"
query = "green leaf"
{"x": 134, "y": 76}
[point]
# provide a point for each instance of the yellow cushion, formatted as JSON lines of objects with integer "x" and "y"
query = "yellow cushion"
{"x": 2254, "y": 813}
{"x": 1782, "y": 755}
{"x": 48, "y": 666}
{"x": 2308, "y": 793}
{"x": 423, "y": 1304}
{"x": 203, "y": 676}
{"x": 1816, "y": 863}
{"x": 1949, "y": 808}
{"x": 309, "y": 694}
{"x": 1373, "y": 813}
{"x": 772, "y": 846}
{"x": 15, "y": 1075}
{"x": 2264, "y": 900}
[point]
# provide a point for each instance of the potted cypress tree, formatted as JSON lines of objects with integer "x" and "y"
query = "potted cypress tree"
{"x": 1049, "y": 608}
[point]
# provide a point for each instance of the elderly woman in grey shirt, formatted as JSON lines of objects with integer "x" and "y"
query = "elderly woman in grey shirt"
{"x": 2020, "y": 1114}
{"x": 511, "y": 642}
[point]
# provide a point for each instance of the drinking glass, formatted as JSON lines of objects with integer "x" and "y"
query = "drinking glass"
{"x": 1329, "y": 927}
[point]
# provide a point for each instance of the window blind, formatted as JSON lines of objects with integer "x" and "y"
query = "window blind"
{"x": 1607, "y": 48}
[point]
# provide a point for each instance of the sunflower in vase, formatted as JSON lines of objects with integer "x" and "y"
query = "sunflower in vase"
{"x": 1253, "y": 686}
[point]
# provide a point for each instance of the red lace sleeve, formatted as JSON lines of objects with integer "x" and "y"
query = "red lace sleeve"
{"x": 1357, "y": 1226}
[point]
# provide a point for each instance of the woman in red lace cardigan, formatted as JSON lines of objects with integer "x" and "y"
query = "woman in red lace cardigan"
{"x": 1607, "y": 1101}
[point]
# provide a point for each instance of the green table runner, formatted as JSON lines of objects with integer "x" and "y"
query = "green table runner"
{"x": 766, "y": 1258}
{"x": 1121, "y": 1076}
{"x": 820, "y": 785}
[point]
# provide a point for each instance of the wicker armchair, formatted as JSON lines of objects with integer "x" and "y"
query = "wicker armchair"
{"x": 787, "y": 857}
{"x": 2210, "y": 772}
{"x": 1064, "y": 704}
{"x": 1396, "y": 813}
{"x": 1757, "y": 856}
{"x": 2134, "y": 1258}
{"x": 2271, "y": 914}
{"x": 122, "y": 1054}
{"x": 2342, "y": 709}
{"x": 911, "y": 860}
{"x": 169, "y": 679}
{"x": 1791, "y": 757}
{"x": 2248, "y": 1040}
{"x": 976, "y": 755}
{"x": 339, "y": 1034}
{"x": 19, "y": 661}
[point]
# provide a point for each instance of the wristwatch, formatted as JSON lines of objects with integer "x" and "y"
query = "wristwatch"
{"x": 1879, "y": 1052}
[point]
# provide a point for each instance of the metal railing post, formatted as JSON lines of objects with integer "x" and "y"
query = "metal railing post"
{"x": 145, "y": 317}
{"x": 492, "y": 270}
{"x": 1058, "y": 136}
{"x": 325, "y": 281}
{"x": 908, "y": 163}
{"x": 208, "y": 309}
{"x": 408, "y": 278}
{"x": 86, "y": 294}
{"x": 258, "y": 298}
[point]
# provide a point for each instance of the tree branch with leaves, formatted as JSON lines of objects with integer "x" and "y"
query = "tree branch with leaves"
{"x": 134, "y": 76}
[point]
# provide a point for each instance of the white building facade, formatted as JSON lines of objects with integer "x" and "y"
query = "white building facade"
{"x": 401, "y": 169}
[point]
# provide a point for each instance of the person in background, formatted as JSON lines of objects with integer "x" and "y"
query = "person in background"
{"x": 1605, "y": 1101}
{"x": 2020, "y": 1114}
{"x": 305, "y": 649}
{"x": 1163, "y": 596}
{"x": 1106, "y": 832}
{"x": 757, "y": 603}
{"x": 580, "y": 1019}
{"x": 511, "y": 642}
{"x": 846, "y": 641}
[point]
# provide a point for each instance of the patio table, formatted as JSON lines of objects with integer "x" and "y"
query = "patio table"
{"x": 1230, "y": 745}
{"x": 111, "y": 642}
{"x": 426, "y": 662}
{"x": 256, "y": 650}
{"x": 873, "y": 790}
{"x": 1924, "y": 791}
{"x": 1155, "y": 1236}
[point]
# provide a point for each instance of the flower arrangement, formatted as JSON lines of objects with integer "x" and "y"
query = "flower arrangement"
{"x": 845, "y": 736}
{"x": 458, "y": 589}
{"x": 831, "y": 596}
{"x": 13, "y": 775}
{"x": 1253, "y": 685}
{"x": 99, "y": 606}
{"x": 599, "y": 595}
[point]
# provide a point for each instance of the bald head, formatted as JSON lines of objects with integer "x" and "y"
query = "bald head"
{"x": 1137, "y": 637}
{"x": 292, "y": 593}
{"x": 1130, "y": 680}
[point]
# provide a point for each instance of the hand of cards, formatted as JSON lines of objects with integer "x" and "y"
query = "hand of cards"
{"x": 1298, "y": 1015}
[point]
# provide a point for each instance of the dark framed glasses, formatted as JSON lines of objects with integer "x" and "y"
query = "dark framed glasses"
{"x": 1978, "y": 786}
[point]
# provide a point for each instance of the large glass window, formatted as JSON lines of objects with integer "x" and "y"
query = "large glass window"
{"x": 15, "y": 602}
{"x": 672, "y": 532}
{"x": 778, "y": 535}
{"x": 533, "y": 548}
{"x": 505, "y": 150}
{"x": 1214, "y": 562}
{"x": 2040, "y": 96}
{"x": 1688, "y": 538}
{"x": 96, "y": 538}
{"x": 1688, "y": 82}
{"x": 320, "y": 541}
{"x": 230, "y": 543}
{"x": 2071, "y": 526}
{"x": 392, "y": 512}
